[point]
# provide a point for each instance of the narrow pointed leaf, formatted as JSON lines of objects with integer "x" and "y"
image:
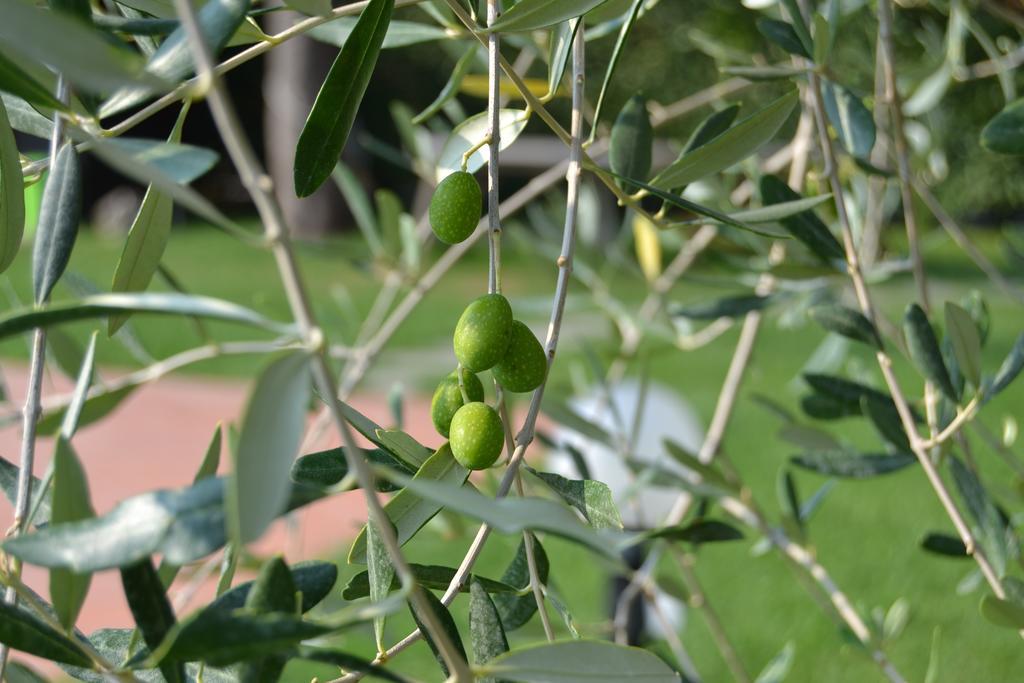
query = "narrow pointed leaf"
{"x": 515, "y": 610}
{"x": 852, "y": 465}
{"x": 701, "y": 531}
{"x": 783, "y": 35}
{"x": 485, "y": 630}
{"x": 529, "y": 15}
{"x": 887, "y": 422}
{"x": 71, "y": 503}
{"x": 729, "y": 148}
{"x": 221, "y": 638}
{"x": 15, "y": 80}
{"x": 348, "y": 662}
{"x": 9, "y": 483}
{"x": 182, "y": 525}
{"x": 944, "y": 544}
{"x": 924, "y": 350}
{"x": 12, "y": 192}
{"x": 144, "y": 592}
{"x": 270, "y": 435}
{"x": 805, "y": 227}
{"x": 592, "y": 498}
{"x": 777, "y": 670}
{"x": 726, "y": 307}
{"x": 966, "y": 340}
{"x": 102, "y": 305}
{"x": 443, "y": 616}
{"x": 632, "y": 137}
{"x": 409, "y": 511}
{"x": 1004, "y": 133}
{"x": 559, "y": 48}
{"x": 381, "y": 574}
{"x": 273, "y": 591}
{"x": 581, "y": 661}
{"x": 1009, "y": 369}
{"x": 1003, "y": 613}
{"x": 400, "y": 33}
{"x": 173, "y": 62}
{"x": 469, "y": 133}
{"x": 799, "y": 26}
{"x": 846, "y": 322}
{"x": 451, "y": 87}
{"x": 988, "y": 524}
{"x": 19, "y": 630}
{"x": 82, "y": 55}
{"x": 144, "y": 246}
{"x": 329, "y": 122}
{"x": 313, "y": 578}
{"x": 696, "y": 208}
{"x": 59, "y": 215}
{"x": 854, "y": 123}
{"x": 434, "y": 577}
{"x": 128, "y": 161}
{"x": 328, "y": 468}
{"x": 512, "y": 515}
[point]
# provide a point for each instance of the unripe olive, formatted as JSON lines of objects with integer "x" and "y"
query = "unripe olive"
{"x": 448, "y": 398}
{"x": 476, "y": 436}
{"x": 455, "y": 207}
{"x": 482, "y": 333}
{"x": 524, "y": 365}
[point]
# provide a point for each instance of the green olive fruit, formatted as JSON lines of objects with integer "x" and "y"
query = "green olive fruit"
{"x": 448, "y": 399}
{"x": 455, "y": 207}
{"x": 476, "y": 436}
{"x": 482, "y": 333}
{"x": 525, "y": 364}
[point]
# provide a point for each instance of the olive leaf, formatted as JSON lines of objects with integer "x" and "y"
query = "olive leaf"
{"x": 12, "y": 193}
{"x": 632, "y": 137}
{"x": 330, "y": 120}
{"x": 57, "y": 228}
{"x": 924, "y": 350}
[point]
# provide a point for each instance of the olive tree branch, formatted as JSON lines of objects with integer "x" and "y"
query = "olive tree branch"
{"x": 884, "y": 361}
{"x": 260, "y": 188}
{"x": 900, "y": 147}
{"x": 699, "y": 599}
{"x": 33, "y": 399}
{"x": 564, "y": 263}
{"x": 494, "y": 145}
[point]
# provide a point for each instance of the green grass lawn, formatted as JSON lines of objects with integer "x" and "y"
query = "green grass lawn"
{"x": 866, "y": 533}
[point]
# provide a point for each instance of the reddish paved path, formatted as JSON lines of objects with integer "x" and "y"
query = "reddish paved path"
{"x": 156, "y": 439}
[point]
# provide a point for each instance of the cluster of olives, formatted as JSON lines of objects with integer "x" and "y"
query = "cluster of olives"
{"x": 487, "y": 337}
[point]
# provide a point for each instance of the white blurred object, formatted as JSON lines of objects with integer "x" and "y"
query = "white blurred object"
{"x": 664, "y": 415}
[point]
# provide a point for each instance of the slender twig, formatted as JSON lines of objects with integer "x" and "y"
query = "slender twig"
{"x": 884, "y": 361}
{"x": 699, "y": 599}
{"x": 900, "y": 147}
{"x": 675, "y": 644}
{"x": 494, "y": 146}
{"x": 33, "y": 399}
{"x": 162, "y": 368}
{"x": 260, "y": 188}
{"x": 564, "y": 262}
{"x": 956, "y": 424}
{"x": 960, "y": 237}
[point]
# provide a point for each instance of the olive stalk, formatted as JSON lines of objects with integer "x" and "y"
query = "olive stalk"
{"x": 260, "y": 187}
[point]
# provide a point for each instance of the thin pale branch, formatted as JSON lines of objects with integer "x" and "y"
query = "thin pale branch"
{"x": 260, "y": 188}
